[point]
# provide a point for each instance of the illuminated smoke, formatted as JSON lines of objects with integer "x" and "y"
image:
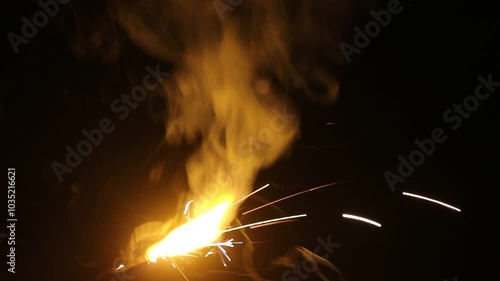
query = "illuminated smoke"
{"x": 229, "y": 89}
{"x": 221, "y": 95}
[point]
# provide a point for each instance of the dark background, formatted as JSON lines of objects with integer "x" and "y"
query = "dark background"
{"x": 394, "y": 92}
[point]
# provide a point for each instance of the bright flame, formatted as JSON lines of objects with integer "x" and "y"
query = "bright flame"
{"x": 195, "y": 234}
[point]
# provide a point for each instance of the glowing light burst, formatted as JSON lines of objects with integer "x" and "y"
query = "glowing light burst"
{"x": 192, "y": 236}
{"x": 197, "y": 233}
{"x": 432, "y": 200}
{"x": 203, "y": 233}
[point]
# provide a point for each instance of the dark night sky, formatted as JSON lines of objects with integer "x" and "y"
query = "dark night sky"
{"x": 395, "y": 91}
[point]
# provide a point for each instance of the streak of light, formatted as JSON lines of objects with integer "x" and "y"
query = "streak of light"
{"x": 243, "y": 198}
{"x": 361, "y": 219}
{"x": 222, "y": 259}
{"x": 187, "y": 207}
{"x": 330, "y": 124}
{"x": 224, "y": 252}
{"x": 178, "y": 268}
{"x": 264, "y": 222}
{"x": 221, "y": 249}
{"x": 272, "y": 223}
{"x": 432, "y": 200}
{"x": 120, "y": 267}
{"x": 290, "y": 196}
{"x": 228, "y": 243}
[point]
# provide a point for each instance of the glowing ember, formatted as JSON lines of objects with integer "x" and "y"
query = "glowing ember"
{"x": 198, "y": 233}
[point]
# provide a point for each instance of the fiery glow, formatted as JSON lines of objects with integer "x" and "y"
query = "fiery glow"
{"x": 198, "y": 233}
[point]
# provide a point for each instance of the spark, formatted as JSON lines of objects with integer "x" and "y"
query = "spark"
{"x": 330, "y": 124}
{"x": 178, "y": 268}
{"x": 192, "y": 241}
{"x": 228, "y": 243}
{"x": 222, "y": 259}
{"x": 293, "y": 195}
{"x": 221, "y": 249}
{"x": 272, "y": 223}
{"x": 432, "y": 200}
{"x": 264, "y": 222}
{"x": 224, "y": 252}
{"x": 243, "y": 198}
{"x": 361, "y": 219}
{"x": 187, "y": 208}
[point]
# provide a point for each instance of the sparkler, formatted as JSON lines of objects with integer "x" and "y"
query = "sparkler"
{"x": 204, "y": 232}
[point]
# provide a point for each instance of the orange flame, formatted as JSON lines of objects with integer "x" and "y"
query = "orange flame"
{"x": 195, "y": 234}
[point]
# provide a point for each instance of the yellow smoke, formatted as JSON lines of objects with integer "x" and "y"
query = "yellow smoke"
{"x": 222, "y": 92}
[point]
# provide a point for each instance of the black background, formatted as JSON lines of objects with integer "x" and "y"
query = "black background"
{"x": 395, "y": 91}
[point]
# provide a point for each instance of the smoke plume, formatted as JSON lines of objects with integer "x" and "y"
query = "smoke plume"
{"x": 236, "y": 64}
{"x": 224, "y": 93}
